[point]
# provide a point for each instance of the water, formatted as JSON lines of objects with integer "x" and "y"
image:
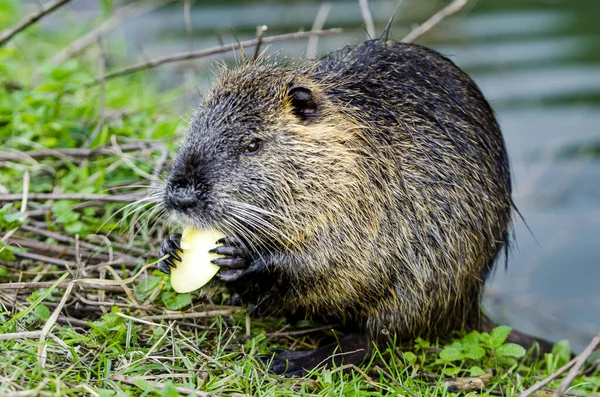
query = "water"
{"x": 537, "y": 61}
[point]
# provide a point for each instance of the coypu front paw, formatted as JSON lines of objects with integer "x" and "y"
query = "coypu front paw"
{"x": 170, "y": 245}
{"x": 235, "y": 262}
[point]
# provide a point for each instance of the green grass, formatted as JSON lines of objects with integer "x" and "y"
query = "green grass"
{"x": 139, "y": 337}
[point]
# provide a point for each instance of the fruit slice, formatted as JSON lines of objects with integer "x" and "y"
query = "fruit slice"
{"x": 195, "y": 269}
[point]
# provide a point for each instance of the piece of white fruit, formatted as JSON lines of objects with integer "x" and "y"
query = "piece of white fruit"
{"x": 195, "y": 268}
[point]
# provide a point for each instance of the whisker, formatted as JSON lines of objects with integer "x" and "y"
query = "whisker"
{"x": 258, "y": 220}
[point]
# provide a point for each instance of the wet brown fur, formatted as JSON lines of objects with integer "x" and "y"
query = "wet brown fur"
{"x": 391, "y": 202}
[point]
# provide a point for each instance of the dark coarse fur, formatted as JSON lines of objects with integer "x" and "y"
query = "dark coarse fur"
{"x": 379, "y": 199}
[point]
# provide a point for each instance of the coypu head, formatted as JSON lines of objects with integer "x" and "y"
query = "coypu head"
{"x": 264, "y": 158}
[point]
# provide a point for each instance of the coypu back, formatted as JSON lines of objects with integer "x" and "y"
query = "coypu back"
{"x": 378, "y": 194}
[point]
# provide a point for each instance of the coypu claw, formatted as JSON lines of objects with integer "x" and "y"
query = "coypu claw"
{"x": 235, "y": 262}
{"x": 170, "y": 246}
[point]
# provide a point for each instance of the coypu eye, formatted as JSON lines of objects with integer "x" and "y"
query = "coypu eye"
{"x": 253, "y": 147}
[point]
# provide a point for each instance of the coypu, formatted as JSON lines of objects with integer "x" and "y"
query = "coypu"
{"x": 369, "y": 188}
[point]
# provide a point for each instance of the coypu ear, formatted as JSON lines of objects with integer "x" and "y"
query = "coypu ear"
{"x": 303, "y": 103}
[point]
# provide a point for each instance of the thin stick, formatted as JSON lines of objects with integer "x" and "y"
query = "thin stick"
{"x": 211, "y": 51}
{"x": 434, "y": 20}
{"x": 26, "y": 181}
{"x": 63, "y": 285}
{"x": 29, "y": 20}
{"x": 581, "y": 359}
{"x": 74, "y": 153}
{"x": 70, "y": 240}
{"x": 301, "y": 331}
{"x": 260, "y": 32}
{"x": 46, "y": 249}
{"x": 313, "y": 41}
{"x": 139, "y": 320}
{"x": 127, "y": 290}
{"x": 367, "y": 18}
{"x": 102, "y": 96}
{"x": 125, "y": 159}
{"x": 180, "y": 316}
{"x": 549, "y": 379}
{"x": 21, "y": 335}
{"x": 115, "y": 198}
{"x": 50, "y": 323}
{"x": 44, "y": 258}
{"x": 130, "y": 11}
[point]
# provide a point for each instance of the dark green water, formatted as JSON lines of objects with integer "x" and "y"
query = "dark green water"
{"x": 538, "y": 62}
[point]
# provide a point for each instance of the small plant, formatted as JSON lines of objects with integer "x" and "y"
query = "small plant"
{"x": 480, "y": 349}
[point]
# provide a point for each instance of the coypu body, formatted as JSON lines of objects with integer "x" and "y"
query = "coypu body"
{"x": 370, "y": 188}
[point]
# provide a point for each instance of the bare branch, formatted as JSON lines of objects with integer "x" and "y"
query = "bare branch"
{"x": 211, "y": 51}
{"x": 29, "y": 20}
{"x": 130, "y": 11}
{"x": 549, "y": 379}
{"x": 581, "y": 359}
{"x": 27, "y": 286}
{"x": 434, "y": 20}
{"x": 75, "y": 153}
{"x": 367, "y": 18}
{"x": 313, "y": 41}
{"x": 260, "y": 32}
{"x": 107, "y": 198}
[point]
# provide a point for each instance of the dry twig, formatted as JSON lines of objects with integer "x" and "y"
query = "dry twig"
{"x": 127, "y": 12}
{"x": 72, "y": 153}
{"x": 580, "y": 360}
{"x": 210, "y": 313}
{"x": 29, "y": 20}
{"x": 260, "y": 32}
{"x": 434, "y": 20}
{"x": 115, "y": 198}
{"x": 313, "y": 41}
{"x": 549, "y": 379}
{"x": 367, "y": 18}
{"x": 211, "y": 51}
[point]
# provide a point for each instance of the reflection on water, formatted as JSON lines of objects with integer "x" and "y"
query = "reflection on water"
{"x": 538, "y": 63}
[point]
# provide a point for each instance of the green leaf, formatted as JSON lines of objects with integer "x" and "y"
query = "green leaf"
{"x": 149, "y": 283}
{"x": 42, "y": 312}
{"x": 562, "y": 350}
{"x": 451, "y": 353}
{"x": 472, "y": 338}
{"x": 476, "y": 371}
{"x": 63, "y": 210}
{"x": 474, "y": 352}
{"x": 499, "y": 335}
{"x": 174, "y": 301}
{"x": 452, "y": 371}
{"x": 511, "y": 350}
{"x": 6, "y": 253}
{"x": 410, "y": 357}
{"x": 422, "y": 344}
{"x": 76, "y": 228}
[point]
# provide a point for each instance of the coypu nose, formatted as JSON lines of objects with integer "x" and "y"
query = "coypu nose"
{"x": 181, "y": 199}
